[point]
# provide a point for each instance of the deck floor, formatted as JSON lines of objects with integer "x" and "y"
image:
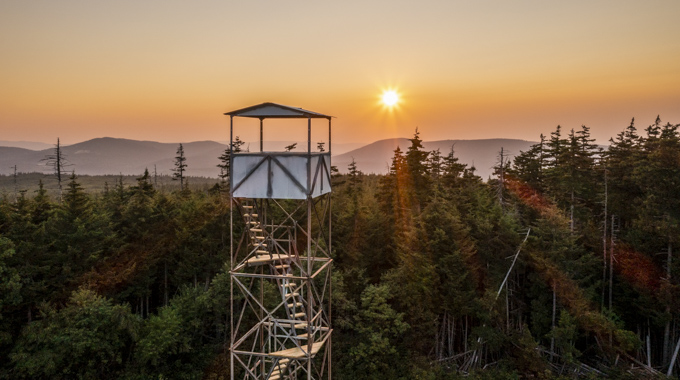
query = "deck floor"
{"x": 266, "y": 259}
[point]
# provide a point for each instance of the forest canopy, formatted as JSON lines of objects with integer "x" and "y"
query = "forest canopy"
{"x": 562, "y": 265}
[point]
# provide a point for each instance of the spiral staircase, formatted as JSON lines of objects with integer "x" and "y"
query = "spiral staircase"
{"x": 289, "y": 326}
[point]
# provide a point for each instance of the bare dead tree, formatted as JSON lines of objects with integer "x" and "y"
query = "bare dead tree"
{"x": 58, "y": 163}
{"x": 604, "y": 237}
{"x": 500, "y": 171}
{"x": 15, "y": 183}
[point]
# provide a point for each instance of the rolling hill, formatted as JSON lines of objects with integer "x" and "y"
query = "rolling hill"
{"x": 118, "y": 156}
{"x": 32, "y": 145}
{"x": 108, "y": 155}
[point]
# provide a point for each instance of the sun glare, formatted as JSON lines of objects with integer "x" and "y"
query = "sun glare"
{"x": 390, "y": 98}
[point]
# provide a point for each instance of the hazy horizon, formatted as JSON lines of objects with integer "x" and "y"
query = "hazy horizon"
{"x": 464, "y": 70}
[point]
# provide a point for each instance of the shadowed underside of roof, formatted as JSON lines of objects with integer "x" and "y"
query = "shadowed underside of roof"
{"x": 277, "y": 111}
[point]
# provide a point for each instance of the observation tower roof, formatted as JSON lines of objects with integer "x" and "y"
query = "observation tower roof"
{"x": 276, "y": 111}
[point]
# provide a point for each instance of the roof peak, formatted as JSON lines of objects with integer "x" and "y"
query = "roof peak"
{"x": 276, "y": 111}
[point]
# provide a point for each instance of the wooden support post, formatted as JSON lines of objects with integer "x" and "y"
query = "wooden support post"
{"x": 261, "y": 135}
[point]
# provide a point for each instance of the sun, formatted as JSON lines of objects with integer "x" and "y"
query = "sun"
{"x": 390, "y": 98}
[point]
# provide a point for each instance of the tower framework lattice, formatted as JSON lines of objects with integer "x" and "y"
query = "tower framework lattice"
{"x": 280, "y": 256}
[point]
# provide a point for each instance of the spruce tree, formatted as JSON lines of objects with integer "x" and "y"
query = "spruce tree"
{"x": 225, "y": 158}
{"x": 418, "y": 171}
{"x": 451, "y": 168}
{"x": 180, "y": 167}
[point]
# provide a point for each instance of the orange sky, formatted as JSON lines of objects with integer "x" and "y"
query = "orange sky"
{"x": 167, "y": 70}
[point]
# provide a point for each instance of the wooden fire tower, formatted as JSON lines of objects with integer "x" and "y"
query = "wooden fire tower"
{"x": 280, "y": 255}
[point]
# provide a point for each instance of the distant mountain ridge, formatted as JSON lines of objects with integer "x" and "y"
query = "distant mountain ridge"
{"x": 109, "y": 155}
{"x": 32, "y": 145}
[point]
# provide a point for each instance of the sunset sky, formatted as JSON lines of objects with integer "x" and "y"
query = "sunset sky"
{"x": 168, "y": 70}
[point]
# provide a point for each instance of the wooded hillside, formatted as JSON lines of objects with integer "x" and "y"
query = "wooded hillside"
{"x": 561, "y": 266}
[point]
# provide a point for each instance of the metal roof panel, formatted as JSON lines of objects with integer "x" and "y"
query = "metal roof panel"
{"x": 273, "y": 110}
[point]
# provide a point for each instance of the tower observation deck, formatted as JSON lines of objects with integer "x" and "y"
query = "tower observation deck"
{"x": 280, "y": 255}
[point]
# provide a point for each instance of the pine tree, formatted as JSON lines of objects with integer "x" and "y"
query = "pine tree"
{"x": 622, "y": 157}
{"x": 451, "y": 168}
{"x": 435, "y": 163}
{"x": 180, "y": 167}
{"x": 528, "y": 167}
{"x": 355, "y": 176}
{"x": 570, "y": 176}
{"x": 226, "y": 157}
{"x": 659, "y": 212}
{"x": 41, "y": 205}
{"x": 418, "y": 171}
{"x": 76, "y": 202}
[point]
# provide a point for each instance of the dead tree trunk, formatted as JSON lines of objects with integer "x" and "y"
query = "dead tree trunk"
{"x": 554, "y": 312}
{"x": 604, "y": 238}
{"x": 667, "y": 329}
{"x": 673, "y": 359}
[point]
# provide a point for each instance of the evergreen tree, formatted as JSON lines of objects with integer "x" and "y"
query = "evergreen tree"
{"x": 180, "y": 167}
{"x": 622, "y": 158}
{"x": 451, "y": 168}
{"x": 76, "y": 202}
{"x": 377, "y": 354}
{"x": 528, "y": 167}
{"x": 418, "y": 171}
{"x": 89, "y": 338}
{"x": 225, "y": 158}
{"x": 435, "y": 163}
{"x": 355, "y": 176}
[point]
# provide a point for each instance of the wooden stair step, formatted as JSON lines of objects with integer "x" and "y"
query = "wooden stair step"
{"x": 298, "y": 315}
{"x": 289, "y": 285}
{"x": 251, "y": 215}
{"x": 296, "y": 304}
{"x": 282, "y": 266}
{"x": 298, "y": 353}
{"x": 292, "y": 295}
{"x": 256, "y": 230}
{"x": 259, "y": 251}
{"x": 267, "y": 259}
{"x": 259, "y": 237}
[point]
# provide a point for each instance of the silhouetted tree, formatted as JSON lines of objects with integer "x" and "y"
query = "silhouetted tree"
{"x": 57, "y": 162}
{"x": 225, "y": 158}
{"x": 180, "y": 167}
